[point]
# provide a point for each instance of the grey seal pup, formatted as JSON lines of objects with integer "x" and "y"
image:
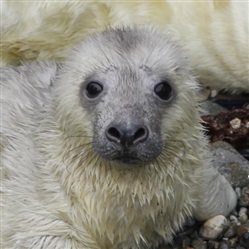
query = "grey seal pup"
{"x": 106, "y": 150}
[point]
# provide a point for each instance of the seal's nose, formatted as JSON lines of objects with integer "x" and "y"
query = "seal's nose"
{"x": 125, "y": 134}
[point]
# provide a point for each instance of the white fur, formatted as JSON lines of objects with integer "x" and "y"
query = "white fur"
{"x": 214, "y": 32}
{"x": 58, "y": 193}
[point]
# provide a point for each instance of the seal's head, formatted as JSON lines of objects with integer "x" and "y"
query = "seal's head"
{"x": 125, "y": 83}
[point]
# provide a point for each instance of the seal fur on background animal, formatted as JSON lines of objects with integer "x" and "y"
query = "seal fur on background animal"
{"x": 106, "y": 150}
{"x": 214, "y": 32}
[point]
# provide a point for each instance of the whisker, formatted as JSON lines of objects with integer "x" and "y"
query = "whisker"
{"x": 83, "y": 156}
{"x": 148, "y": 57}
{"x": 77, "y": 147}
{"x": 166, "y": 138}
{"x": 169, "y": 169}
{"x": 81, "y": 136}
{"x": 85, "y": 146}
{"x": 105, "y": 55}
{"x": 155, "y": 63}
{"x": 174, "y": 144}
{"x": 88, "y": 128}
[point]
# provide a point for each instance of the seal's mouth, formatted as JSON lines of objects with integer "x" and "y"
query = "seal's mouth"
{"x": 127, "y": 160}
{"x": 140, "y": 155}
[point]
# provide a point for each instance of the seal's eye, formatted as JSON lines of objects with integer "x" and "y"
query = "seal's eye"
{"x": 163, "y": 90}
{"x": 93, "y": 89}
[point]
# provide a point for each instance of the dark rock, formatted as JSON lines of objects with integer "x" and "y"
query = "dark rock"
{"x": 210, "y": 244}
{"x": 182, "y": 241}
{"x": 244, "y": 240}
{"x": 230, "y": 101}
{"x": 244, "y": 152}
{"x": 224, "y": 245}
{"x": 211, "y": 108}
{"x": 194, "y": 235}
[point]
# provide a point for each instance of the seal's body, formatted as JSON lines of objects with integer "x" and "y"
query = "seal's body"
{"x": 214, "y": 32}
{"x": 105, "y": 151}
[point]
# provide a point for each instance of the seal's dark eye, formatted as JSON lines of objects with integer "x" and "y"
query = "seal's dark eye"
{"x": 93, "y": 89}
{"x": 163, "y": 90}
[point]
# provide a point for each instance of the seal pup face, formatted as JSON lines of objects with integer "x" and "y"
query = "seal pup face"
{"x": 128, "y": 102}
{"x": 127, "y": 81}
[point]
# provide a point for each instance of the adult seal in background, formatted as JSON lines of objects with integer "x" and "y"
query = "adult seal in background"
{"x": 106, "y": 150}
{"x": 214, "y": 32}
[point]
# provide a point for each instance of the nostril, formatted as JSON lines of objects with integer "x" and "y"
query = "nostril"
{"x": 140, "y": 135}
{"x": 113, "y": 132}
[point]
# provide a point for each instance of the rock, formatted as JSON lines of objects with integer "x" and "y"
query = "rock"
{"x": 231, "y": 232}
{"x": 213, "y": 228}
{"x": 242, "y": 229}
{"x": 230, "y": 164}
{"x": 235, "y": 123}
{"x": 215, "y": 244}
{"x": 224, "y": 245}
{"x": 209, "y": 107}
{"x": 210, "y": 244}
{"x": 183, "y": 242}
{"x": 244, "y": 240}
{"x": 199, "y": 244}
{"x": 244, "y": 152}
{"x": 243, "y": 215}
{"x": 233, "y": 242}
{"x": 244, "y": 198}
{"x": 238, "y": 192}
{"x": 234, "y": 219}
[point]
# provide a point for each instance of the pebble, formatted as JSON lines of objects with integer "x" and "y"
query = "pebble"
{"x": 243, "y": 215}
{"x": 231, "y": 232}
{"x": 199, "y": 244}
{"x": 215, "y": 245}
{"x": 214, "y": 227}
{"x": 242, "y": 229}
{"x": 244, "y": 240}
{"x": 234, "y": 219}
{"x": 233, "y": 242}
{"x": 210, "y": 244}
{"x": 235, "y": 123}
{"x": 224, "y": 245}
{"x": 182, "y": 241}
{"x": 244, "y": 198}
